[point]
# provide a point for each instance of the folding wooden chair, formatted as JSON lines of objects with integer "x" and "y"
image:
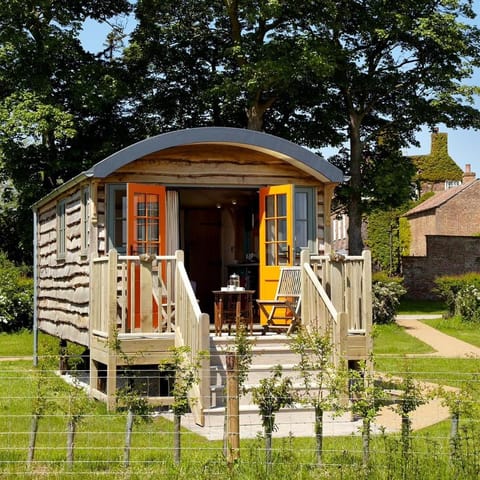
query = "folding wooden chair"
{"x": 283, "y": 312}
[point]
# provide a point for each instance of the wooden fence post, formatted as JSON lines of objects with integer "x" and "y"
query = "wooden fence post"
{"x": 233, "y": 409}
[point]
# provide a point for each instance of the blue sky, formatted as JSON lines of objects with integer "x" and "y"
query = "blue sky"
{"x": 462, "y": 144}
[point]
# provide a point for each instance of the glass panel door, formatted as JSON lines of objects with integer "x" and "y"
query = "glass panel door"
{"x": 146, "y": 219}
{"x": 276, "y": 236}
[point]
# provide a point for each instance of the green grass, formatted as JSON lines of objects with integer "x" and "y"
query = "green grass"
{"x": 466, "y": 331}
{"x": 443, "y": 371}
{"x": 412, "y": 307}
{"x": 100, "y": 438}
{"x": 393, "y": 340}
{"x": 16, "y": 344}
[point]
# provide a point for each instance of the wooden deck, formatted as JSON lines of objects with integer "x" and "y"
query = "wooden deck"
{"x": 335, "y": 299}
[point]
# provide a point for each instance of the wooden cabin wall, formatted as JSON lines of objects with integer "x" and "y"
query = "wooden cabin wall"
{"x": 63, "y": 285}
{"x": 223, "y": 167}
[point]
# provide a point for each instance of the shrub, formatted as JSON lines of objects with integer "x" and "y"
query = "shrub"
{"x": 448, "y": 287}
{"x": 386, "y": 299}
{"x": 16, "y": 297}
{"x": 467, "y": 303}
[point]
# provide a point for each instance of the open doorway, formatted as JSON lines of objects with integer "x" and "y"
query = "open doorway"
{"x": 219, "y": 234}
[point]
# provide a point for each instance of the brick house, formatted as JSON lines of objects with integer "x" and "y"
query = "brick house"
{"x": 444, "y": 236}
{"x": 455, "y": 211}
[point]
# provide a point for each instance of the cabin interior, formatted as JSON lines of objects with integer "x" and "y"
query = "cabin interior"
{"x": 219, "y": 235}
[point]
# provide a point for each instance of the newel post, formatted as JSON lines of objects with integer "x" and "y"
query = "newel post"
{"x": 111, "y": 310}
{"x": 146, "y": 289}
{"x": 306, "y": 301}
{"x": 337, "y": 294}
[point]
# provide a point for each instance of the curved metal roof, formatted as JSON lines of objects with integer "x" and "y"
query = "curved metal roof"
{"x": 288, "y": 151}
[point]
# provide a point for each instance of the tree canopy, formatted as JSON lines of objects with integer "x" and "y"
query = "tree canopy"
{"x": 364, "y": 74}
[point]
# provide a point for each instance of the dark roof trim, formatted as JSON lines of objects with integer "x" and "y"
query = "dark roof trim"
{"x": 290, "y": 152}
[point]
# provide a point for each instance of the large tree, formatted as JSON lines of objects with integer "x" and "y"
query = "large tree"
{"x": 225, "y": 62}
{"x": 59, "y": 105}
{"x": 397, "y": 66}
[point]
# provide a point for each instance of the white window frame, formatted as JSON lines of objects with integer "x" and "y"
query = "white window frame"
{"x": 61, "y": 229}
{"x": 85, "y": 220}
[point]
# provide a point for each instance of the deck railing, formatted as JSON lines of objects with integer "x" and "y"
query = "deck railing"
{"x": 151, "y": 295}
{"x": 140, "y": 293}
{"x": 192, "y": 330}
{"x": 336, "y": 296}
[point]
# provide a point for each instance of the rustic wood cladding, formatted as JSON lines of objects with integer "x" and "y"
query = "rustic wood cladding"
{"x": 248, "y": 170}
{"x": 63, "y": 285}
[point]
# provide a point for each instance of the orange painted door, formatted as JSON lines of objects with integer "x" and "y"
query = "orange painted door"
{"x": 146, "y": 235}
{"x": 276, "y": 236}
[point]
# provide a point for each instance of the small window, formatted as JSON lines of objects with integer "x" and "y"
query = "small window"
{"x": 452, "y": 184}
{"x": 61, "y": 229}
{"x": 305, "y": 220}
{"x": 117, "y": 218}
{"x": 85, "y": 227}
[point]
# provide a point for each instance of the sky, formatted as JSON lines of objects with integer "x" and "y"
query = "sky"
{"x": 463, "y": 145}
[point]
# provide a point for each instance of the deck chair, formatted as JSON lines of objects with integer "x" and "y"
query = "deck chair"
{"x": 283, "y": 312}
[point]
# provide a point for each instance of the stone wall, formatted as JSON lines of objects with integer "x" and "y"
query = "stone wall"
{"x": 446, "y": 255}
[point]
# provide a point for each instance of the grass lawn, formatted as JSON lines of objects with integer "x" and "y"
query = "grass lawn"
{"x": 466, "y": 331}
{"x": 99, "y": 445}
{"x": 16, "y": 344}
{"x": 393, "y": 340}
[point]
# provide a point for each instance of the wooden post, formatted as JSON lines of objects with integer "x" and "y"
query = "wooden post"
{"x": 111, "y": 319}
{"x": 233, "y": 409}
{"x": 306, "y": 303}
{"x": 337, "y": 297}
{"x": 367, "y": 305}
{"x": 146, "y": 293}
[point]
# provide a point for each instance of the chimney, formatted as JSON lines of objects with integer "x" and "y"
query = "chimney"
{"x": 468, "y": 175}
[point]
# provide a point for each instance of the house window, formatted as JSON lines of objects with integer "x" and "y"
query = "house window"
{"x": 85, "y": 225}
{"x": 117, "y": 218}
{"x": 61, "y": 229}
{"x": 304, "y": 219}
{"x": 452, "y": 184}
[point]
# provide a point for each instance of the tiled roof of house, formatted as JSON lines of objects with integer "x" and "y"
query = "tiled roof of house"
{"x": 439, "y": 199}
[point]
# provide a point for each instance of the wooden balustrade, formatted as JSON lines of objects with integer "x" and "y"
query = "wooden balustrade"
{"x": 151, "y": 296}
{"x": 337, "y": 299}
{"x": 192, "y": 329}
{"x": 143, "y": 289}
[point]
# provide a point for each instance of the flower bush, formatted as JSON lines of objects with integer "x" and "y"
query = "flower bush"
{"x": 386, "y": 299}
{"x": 467, "y": 303}
{"x": 16, "y": 297}
{"x": 456, "y": 289}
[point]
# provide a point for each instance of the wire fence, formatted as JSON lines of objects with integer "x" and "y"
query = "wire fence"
{"x": 423, "y": 432}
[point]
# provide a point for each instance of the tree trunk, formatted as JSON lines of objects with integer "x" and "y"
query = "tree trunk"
{"x": 454, "y": 435}
{"x": 405, "y": 444}
{"x": 268, "y": 449}
{"x": 128, "y": 438}
{"x": 33, "y": 438}
{"x": 366, "y": 442}
{"x": 319, "y": 434}
{"x": 355, "y": 241}
{"x": 255, "y": 118}
{"x": 71, "y": 429}
{"x": 177, "y": 441}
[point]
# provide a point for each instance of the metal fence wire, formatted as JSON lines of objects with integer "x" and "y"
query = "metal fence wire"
{"x": 426, "y": 427}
